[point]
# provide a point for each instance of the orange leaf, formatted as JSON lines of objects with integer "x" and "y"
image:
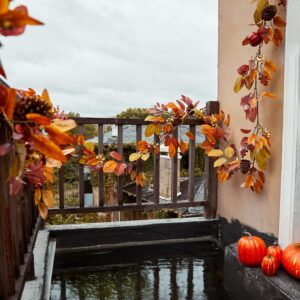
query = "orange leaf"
{"x": 43, "y": 210}
{"x": 37, "y": 196}
{"x": 39, "y": 119}
{"x": 172, "y": 150}
{"x": 46, "y": 97}
{"x": 42, "y": 144}
{"x": 252, "y": 139}
{"x": 206, "y": 129}
{"x": 48, "y": 173}
{"x": 223, "y": 176}
{"x": 10, "y": 104}
{"x": 249, "y": 181}
{"x": 277, "y": 37}
{"x": 57, "y": 136}
{"x": 110, "y": 166}
{"x": 269, "y": 65}
{"x": 80, "y": 140}
{"x": 269, "y": 95}
{"x": 190, "y": 135}
{"x": 279, "y": 22}
{"x": 142, "y": 146}
{"x": 48, "y": 198}
{"x": 183, "y": 146}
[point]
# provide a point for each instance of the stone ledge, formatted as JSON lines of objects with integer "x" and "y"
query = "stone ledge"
{"x": 250, "y": 283}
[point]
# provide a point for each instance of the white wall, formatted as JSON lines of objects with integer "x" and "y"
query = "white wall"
{"x": 289, "y": 226}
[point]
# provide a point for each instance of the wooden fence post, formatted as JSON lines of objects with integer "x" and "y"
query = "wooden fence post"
{"x": 211, "y": 180}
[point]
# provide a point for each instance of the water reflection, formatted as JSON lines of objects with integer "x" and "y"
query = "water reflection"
{"x": 175, "y": 277}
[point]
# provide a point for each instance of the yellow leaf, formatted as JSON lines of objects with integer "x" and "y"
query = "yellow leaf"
{"x": 150, "y": 118}
{"x": 261, "y": 160}
{"x": 215, "y": 153}
{"x": 145, "y": 156}
{"x": 238, "y": 84}
{"x": 229, "y": 152}
{"x": 219, "y": 162}
{"x": 134, "y": 156}
{"x": 57, "y": 136}
{"x": 37, "y": 196}
{"x": 48, "y": 198}
{"x": 89, "y": 145}
{"x": 110, "y": 166}
{"x": 150, "y": 129}
{"x": 65, "y": 125}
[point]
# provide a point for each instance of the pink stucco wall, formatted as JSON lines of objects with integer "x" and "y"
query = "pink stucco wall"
{"x": 259, "y": 211}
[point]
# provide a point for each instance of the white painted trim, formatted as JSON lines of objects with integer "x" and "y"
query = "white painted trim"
{"x": 289, "y": 226}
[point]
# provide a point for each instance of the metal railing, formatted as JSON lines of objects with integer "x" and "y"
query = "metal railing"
{"x": 210, "y": 199}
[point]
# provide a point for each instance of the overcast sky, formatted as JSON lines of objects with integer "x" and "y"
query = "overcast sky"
{"x": 98, "y": 57}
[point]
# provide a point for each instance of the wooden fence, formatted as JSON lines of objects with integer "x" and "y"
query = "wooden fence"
{"x": 209, "y": 202}
{"x": 18, "y": 230}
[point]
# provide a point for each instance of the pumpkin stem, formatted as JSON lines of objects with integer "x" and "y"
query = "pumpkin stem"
{"x": 247, "y": 233}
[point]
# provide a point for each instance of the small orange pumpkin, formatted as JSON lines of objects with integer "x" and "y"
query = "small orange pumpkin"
{"x": 251, "y": 250}
{"x": 276, "y": 251}
{"x": 291, "y": 259}
{"x": 269, "y": 265}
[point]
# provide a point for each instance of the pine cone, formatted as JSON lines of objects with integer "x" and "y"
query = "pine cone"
{"x": 245, "y": 166}
{"x": 269, "y": 13}
{"x": 32, "y": 104}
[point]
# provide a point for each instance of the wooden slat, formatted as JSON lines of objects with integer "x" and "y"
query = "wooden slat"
{"x": 124, "y": 207}
{"x": 61, "y": 186}
{"x": 211, "y": 184}
{"x": 174, "y": 170}
{"x": 116, "y": 121}
{"x": 139, "y": 166}
{"x": 120, "y": 178}
{"x": 81, "y": 174}
{"x": 192, "y": 154}
{"x": 156, "y": 167}
{"x": 100, "y": 179}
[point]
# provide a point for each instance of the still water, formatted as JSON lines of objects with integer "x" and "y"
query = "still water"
{"x": 178, "y": 271}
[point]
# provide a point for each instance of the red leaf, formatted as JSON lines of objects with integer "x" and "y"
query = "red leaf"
{"x": 180, "y": 104}
{"x": 116, "y": 155}
{"x": 246, "y": 131}
{"x": 120, "y": 169}
{"x": 2, "y": 72}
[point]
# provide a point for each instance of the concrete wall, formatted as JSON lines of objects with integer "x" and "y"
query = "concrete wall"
{"x": 259, "y": 211}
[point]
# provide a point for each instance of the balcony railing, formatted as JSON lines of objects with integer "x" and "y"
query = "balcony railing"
{"x": 19, "y": 223}
{"x": 210, "y": 195}
{"x": 18, "y": 230}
